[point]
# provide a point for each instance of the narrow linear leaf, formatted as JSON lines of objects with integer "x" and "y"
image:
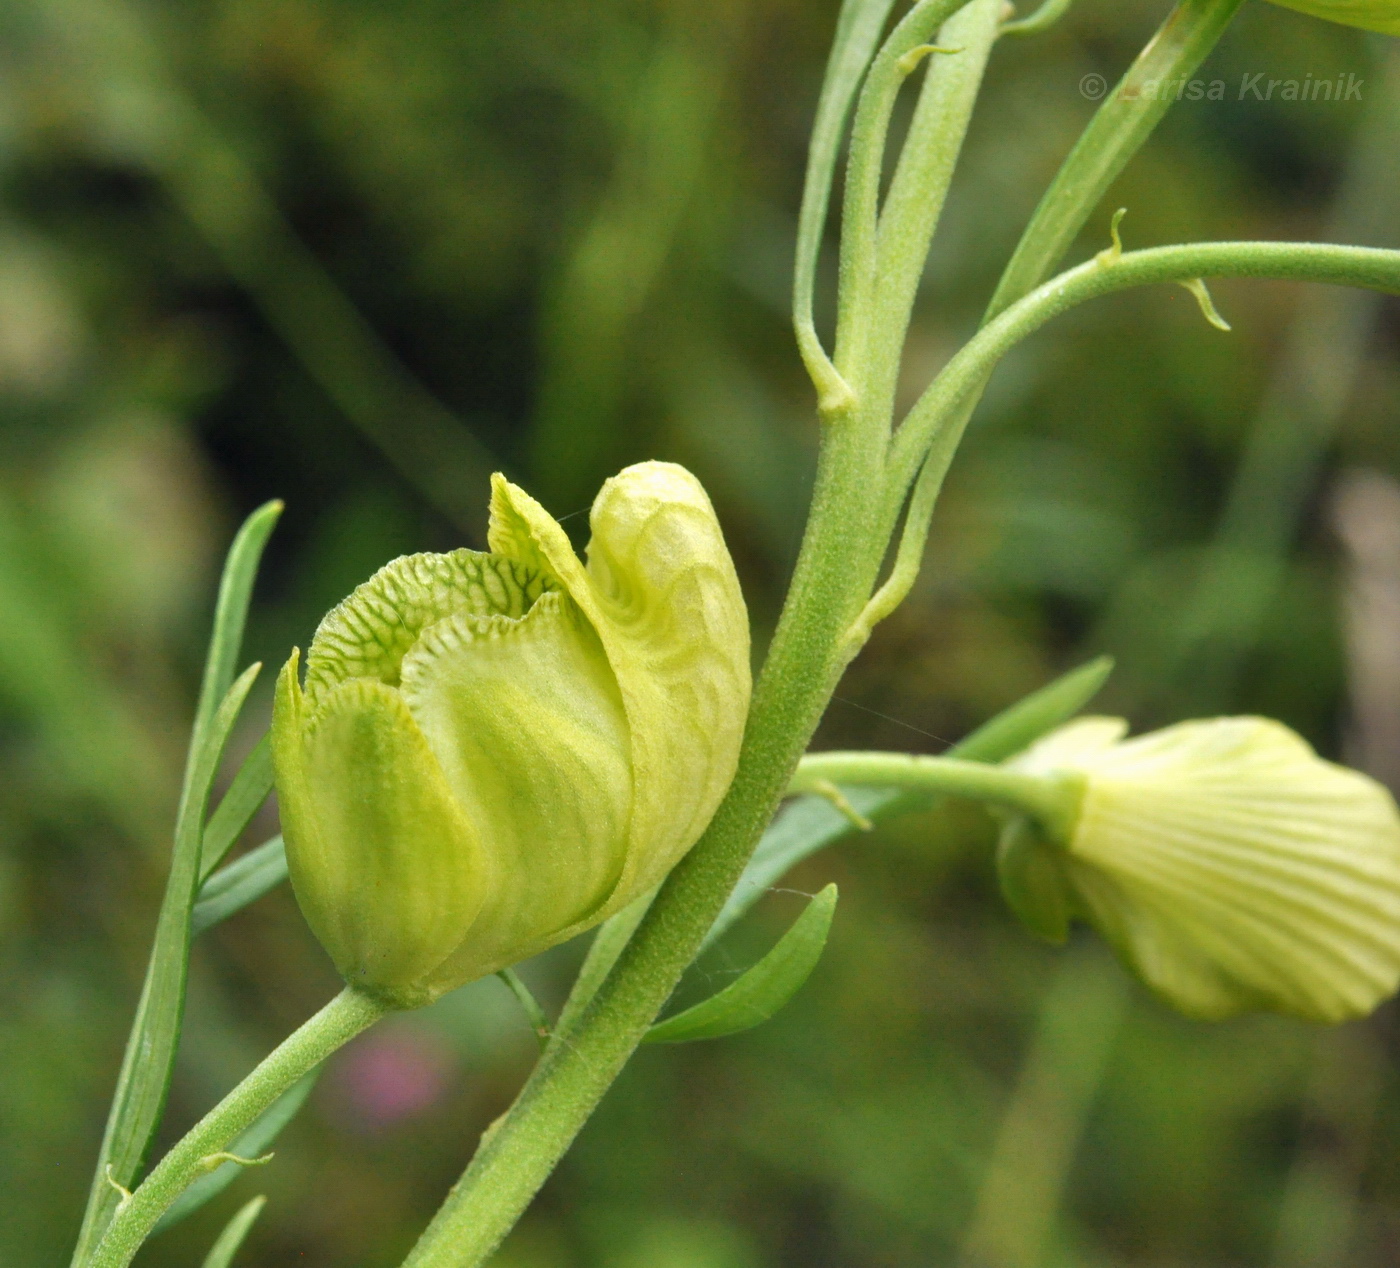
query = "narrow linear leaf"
{"x": 243, "y": 800}
{"x": 231, "y": 616}
{"x": 162, "y": 1004}
{"x": 226, "y": 1247}
{"x": 243, "y": 881}
{"x": 810, "y": 823}
{"x": 254, "y": 1142}
{"x": 1019, "y": 726}
{"x": 144, "y": 1079}
{"x": 764, "y": 988}
{"x": 529, "y": 1005}
{"x": 857, "y": 34}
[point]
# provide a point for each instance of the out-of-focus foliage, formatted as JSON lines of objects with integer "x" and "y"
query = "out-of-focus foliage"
{"x": 356, "y": 255}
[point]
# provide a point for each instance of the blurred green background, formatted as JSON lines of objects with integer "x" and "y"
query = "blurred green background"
{"x": 358, "y": 254}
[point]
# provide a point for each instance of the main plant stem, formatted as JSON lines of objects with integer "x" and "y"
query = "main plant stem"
{"x": 835, "y": 571}
{"x": 846, "y": 538}
{"x": 200, "y": 1150}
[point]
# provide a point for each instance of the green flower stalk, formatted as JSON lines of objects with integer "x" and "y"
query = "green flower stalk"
{"x": 1374, "y": 15}
{"x": 1230, "y": 866}
{"x": 493, "y": 752}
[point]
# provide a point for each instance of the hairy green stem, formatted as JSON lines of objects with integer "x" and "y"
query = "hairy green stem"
{"x": 904, "y": 227}
{"x": 201, "y": 1148}
{"x": 1053, "y": 802}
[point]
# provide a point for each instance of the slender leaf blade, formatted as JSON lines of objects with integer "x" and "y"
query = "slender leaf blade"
{"x": 763, "y": 989}
{"x": 1024, "y": 722}
{"x": 243, "y": 881}
{"x": 144, "y": 1079}
{"x": 226, "y": 1246}
{"x": 857, "y": 35}
{"x": 231, "y": 616}
{"x": 243, "y": 800}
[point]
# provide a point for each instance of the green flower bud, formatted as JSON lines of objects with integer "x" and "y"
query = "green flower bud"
{"x": 496, "y": 751}
{"x": 1033, "y": 880}
{"x": 1230, "y": 866}
{"x": 1374, "y": 15}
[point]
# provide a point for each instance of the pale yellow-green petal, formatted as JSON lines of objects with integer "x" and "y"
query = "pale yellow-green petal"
{"x": 388, "y": 872}
{"x": 1236, "y": 870}
{"x": 367, "y": 635}
{"x": 661, "y": 592}
{"x": 1374, "y": 15}
{"x": 527, "y": 722}
{"x": 1160, "y": 951}
{"x": 1071, "y": 746}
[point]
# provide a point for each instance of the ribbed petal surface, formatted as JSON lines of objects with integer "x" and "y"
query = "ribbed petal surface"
{"x": 1235, "y": 869}
{"x": 661, "y": 593}
{"x": 494, "y": 752}
{"x": 527, "y": 722}
{"x": 368, "y": 634}
{"x": 387, "y": 870}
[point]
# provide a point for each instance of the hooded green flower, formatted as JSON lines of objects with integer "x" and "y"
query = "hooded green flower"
{"x": 495, "y": 751}
{"x": 1230, "y": 866}
{"x": 1374, "y": 15}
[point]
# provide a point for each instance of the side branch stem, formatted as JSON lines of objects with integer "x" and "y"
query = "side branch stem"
{"x": 1051, "y": 801}
{"x": 336, "y": 1024}
{"x": 1368, "y": 267}
{"x": 1116, "y": 132}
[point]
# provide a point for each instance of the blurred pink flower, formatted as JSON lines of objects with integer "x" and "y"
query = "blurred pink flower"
{"x": 391, "y": 1076}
